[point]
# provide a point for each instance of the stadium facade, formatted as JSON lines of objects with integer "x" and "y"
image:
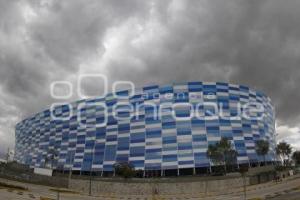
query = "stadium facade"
{"x": 156, "y": 127}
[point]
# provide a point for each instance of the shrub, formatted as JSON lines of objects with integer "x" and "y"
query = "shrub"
{"x": 125, "y": 170}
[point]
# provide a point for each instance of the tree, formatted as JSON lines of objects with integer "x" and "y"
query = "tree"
{"x": 284, "y": 150}
{"x": 222, "y": 153}
{"x": 124, "y": 169}
{"x": 214, "y": 154}
{"x": 51, "y": 157}
{"x": 296, "y": 157}
{"x": 262, "y": 148}
{"x": 230, "y": 157}
{"x": 7, "y": 156}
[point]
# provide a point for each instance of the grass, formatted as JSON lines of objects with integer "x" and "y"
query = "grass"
{"x": 9, "y": 186}
{"x": 296, "y": 188}
{"x": 45, "y": 198}
{"x": 60, "y": 190}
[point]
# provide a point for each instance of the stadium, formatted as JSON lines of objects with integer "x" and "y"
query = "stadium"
{"x": 164, "y": 128}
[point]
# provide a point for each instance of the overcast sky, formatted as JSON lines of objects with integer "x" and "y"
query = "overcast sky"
{"x": 255, "y": 42}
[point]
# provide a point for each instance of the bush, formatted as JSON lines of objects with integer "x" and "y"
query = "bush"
{"x": 125, "y": 170}
{"x": 218, "y": 170}
{"x": 16, "y": 167}
{"x": 282, "y": 168}
{"x": 243, "y": 169}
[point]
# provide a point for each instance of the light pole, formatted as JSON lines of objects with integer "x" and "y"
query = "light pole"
{"x": 71, "y": 167}
{"x": 91, "y": 168}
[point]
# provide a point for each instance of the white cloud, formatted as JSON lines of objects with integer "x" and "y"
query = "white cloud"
{"x": 289, "y": 134}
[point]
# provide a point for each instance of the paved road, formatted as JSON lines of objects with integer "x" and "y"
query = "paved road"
{"x": 288, "y": 196}
{"x": 288, "y": 189}
{"x": 270, "y": 189}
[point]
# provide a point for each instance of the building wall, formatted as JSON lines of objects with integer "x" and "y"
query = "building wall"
{"x": 169, "y": 127}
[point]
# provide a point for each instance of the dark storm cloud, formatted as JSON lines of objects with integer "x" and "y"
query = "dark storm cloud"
{"x": 256, "y": 43}
{"x": 249, "y": 42}
{"x": 71, "y": 30}
{"x": 42, "y": 41}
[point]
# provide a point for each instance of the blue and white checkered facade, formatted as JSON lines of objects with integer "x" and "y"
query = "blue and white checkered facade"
{"x": 90, "y": 137}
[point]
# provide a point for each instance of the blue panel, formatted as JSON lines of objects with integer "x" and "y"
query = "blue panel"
{"x": 110, "y": 153}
